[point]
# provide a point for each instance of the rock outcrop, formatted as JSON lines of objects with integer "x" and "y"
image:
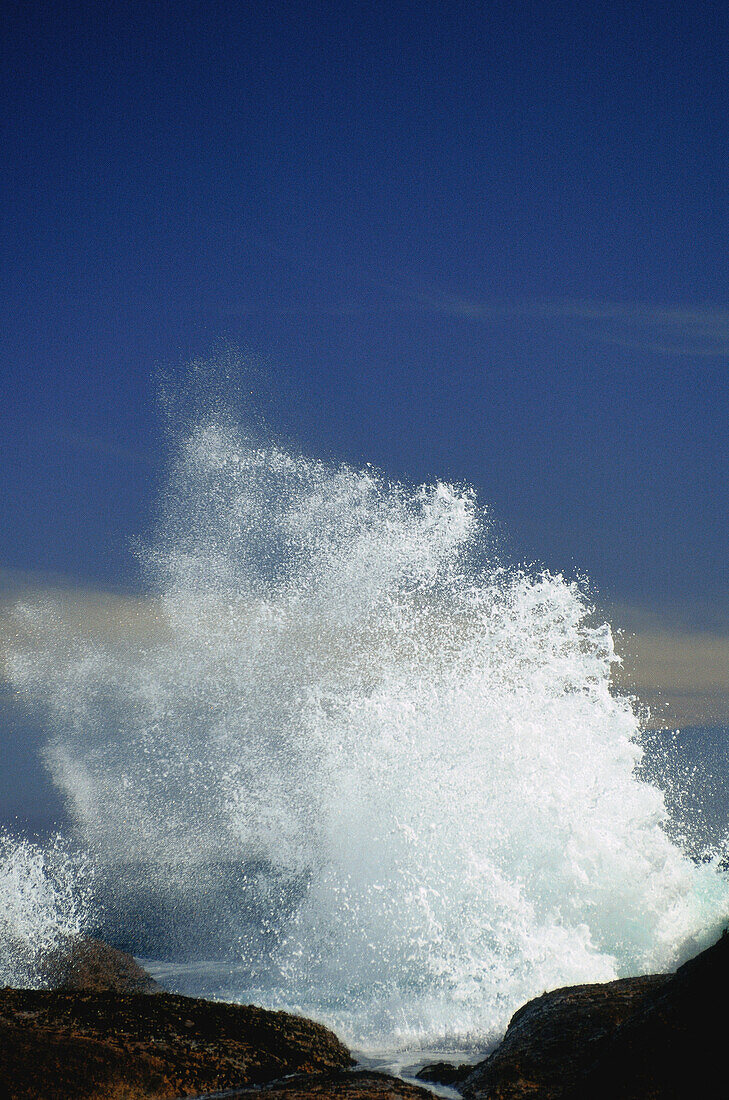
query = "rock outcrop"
{"x": 445, "y": 1073}
{"x": 355, "y": 1085}
{"x": 672, "y": 1047}
{"x": 63, "y": 1045}
{"x": 95, "y": 966}
{"x": 656, "y": 1037}
{"x": 647, "y": 1038}
{"x": 540, "y": 1053}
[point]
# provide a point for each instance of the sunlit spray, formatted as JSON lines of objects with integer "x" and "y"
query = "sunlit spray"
{"x": 379, "y": 775}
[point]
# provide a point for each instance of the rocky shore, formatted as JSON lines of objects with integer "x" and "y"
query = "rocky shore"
{"x": 106, "y": 1032}
{"x": 655, "y": 1037}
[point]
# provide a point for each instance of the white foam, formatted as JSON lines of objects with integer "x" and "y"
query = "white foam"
{"x": 45, "y": 900}
{"x": 408, "y": 758}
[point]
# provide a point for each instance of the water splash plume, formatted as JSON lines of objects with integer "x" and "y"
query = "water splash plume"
{"x": 380, "y": 775}
{"x": 46, "y": 900}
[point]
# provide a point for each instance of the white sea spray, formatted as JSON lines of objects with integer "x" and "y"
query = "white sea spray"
{"x": 380, "y": 774}
{"x": 45, "y": 901}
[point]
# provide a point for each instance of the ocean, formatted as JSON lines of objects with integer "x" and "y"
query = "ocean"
{"x": 347, "y": 762}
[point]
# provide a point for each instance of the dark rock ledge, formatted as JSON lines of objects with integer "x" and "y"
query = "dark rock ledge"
{"x": 656, "y": 1037}
{"x": 100, "y": 1035}
{"x": 541, "y": 1052}
{"x": 341, "y": 1085}
{"x": 92, "y": 965}
{"x": 445, "y": 1073}
{"x": 57, "y": 1044}
{"x": 660, "y": 1037}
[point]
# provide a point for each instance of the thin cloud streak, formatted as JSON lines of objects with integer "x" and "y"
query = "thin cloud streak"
{"x": 669, "y": 664}
{"x": 681, "y": 677}
{"x": 640, "y": 326}
{"x": 683, "y": 330}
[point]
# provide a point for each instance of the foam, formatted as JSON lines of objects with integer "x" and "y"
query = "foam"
{"x": 382, "y": 775}
{"x": 45, "y": 900}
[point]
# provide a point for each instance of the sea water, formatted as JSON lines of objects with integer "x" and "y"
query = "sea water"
{"x": 353, "y": 767}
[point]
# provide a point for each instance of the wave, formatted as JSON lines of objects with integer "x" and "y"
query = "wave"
{"x": 46, "y": 899}
{"x": 380, "y": 773}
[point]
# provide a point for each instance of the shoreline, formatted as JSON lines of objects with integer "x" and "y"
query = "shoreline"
{"x": 108, "y": 1032}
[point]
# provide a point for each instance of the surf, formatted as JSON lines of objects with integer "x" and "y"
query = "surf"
{"x": 357, "y": 766}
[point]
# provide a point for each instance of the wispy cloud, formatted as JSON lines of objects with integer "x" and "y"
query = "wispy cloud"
{"x": 701, "y": 331}
{"x": 662, "y": 330}
{"x": 681, "y": 676}
{"x": 696, "y": 330}
{"x": 81, "y": 613}
{"x": 675, "y": 661}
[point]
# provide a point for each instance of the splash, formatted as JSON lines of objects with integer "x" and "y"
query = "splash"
{"x": 380, "y": 775}
{"x": 45, "y": 901}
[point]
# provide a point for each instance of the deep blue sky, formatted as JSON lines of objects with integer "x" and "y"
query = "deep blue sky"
{"x": 481, "y": 241}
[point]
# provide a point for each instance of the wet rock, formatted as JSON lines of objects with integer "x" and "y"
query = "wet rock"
{"x": 95, "y": 966}
{"x": 647, "y": 1038}
{"x": 357, "y": 1085}
{"x": 673, "y": 1046}
{"x": 547, "y": 1040}
{"x": 63, "y": 1045}
{"x": 445, "y": 1073}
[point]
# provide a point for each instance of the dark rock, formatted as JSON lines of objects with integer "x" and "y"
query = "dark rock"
{"x": 672, "y": 1048}
{"x": 364, "y": 1084}
{"x": 539, "y": 1054}
{"x": 647, "y": 1038}
{"x": 92, "y": 965}
{"x": 444, "y": 1073}
{"x": 63, "y": 1045}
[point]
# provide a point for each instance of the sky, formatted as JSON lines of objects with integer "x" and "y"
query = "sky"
{"x": 479, "y": 241}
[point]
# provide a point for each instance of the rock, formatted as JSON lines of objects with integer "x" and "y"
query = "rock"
{"x": 647, "y": 1038}
{"x": 541, "y": 1053}
{"x": 445, "y": 1073}
{"x": 672, "y": 1047}
{"x": 92, "y": 965}
{"x": 63, "y": 1045}
{"x": 357, "y": 1085}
